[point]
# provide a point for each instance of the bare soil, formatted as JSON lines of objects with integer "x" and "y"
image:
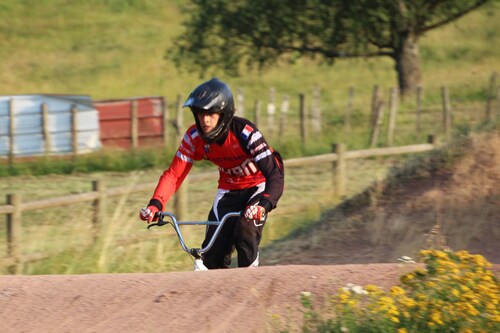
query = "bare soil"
{"x": 263, "y": 299}
{"x": 458, "y": 207}
{"x": 236, "y": 300}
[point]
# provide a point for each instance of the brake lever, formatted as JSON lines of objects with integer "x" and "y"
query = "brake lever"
{"x": 159, "y": 223}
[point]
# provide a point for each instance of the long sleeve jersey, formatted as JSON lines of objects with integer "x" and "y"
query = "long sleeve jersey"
{"x": 242, "y": 155}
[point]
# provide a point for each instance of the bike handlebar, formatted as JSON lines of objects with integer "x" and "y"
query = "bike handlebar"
{"x": 193, "y": 251}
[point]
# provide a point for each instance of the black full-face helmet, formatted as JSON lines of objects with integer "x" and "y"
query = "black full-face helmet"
{"x": 213, "y": 96}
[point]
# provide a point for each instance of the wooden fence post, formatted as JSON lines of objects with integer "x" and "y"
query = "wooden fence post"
{"x": 256, "y": 113}
{"x": 285, "y": 105}
{"x": 339, "y": 170}
{"x": 12, "y": 129}
{"x": 497, "y": 116}
{"x": 446, "y": 113}
{"x": 379, "y": 111}
{"x": 180, "y": 200}
{"x": 303, "y": 119}
{"x": 166, "y": 119}
{"x": 45, "y": 129}
{"x": 74, "y": 132}
{"x": 491, "y": 97}
{"x": 419, "y": 109}
{"x": 348, "y": 111}
{"x": 374, "y": 106}
{"x": 179, "y": 119}
{"x": 393, "y": 109}
{"x": 240, "y": 100}
{"x": 134, "y": 125}
{"x": 271, "y": 111}
{"x": 99, "y": 209}
{"x": 316, "y": 110}
{"x": 14, "y": 233}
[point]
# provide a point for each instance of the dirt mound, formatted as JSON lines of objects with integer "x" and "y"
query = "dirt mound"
{"x": 455, "y": 205}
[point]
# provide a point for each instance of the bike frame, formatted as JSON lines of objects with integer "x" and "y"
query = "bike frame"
{"x": 195, "y": 252}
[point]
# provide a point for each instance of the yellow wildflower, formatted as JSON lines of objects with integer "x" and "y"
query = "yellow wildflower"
{"x": 397, "y": 291}
{"x": 436, "y": 317}
{"x": 344, "y": 297}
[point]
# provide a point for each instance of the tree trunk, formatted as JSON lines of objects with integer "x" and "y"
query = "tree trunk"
{"x": 407, "y": 59}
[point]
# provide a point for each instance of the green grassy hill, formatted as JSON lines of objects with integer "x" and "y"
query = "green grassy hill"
{"x": 114, "y": 48}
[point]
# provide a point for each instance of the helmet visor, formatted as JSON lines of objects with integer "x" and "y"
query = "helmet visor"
{"x": 197, "y": 110}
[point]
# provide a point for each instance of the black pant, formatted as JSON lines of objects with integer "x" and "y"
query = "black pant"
{"x": 237, "y": 232}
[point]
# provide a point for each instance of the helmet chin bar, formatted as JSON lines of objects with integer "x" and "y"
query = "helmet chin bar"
{"x": 214, "y": 134}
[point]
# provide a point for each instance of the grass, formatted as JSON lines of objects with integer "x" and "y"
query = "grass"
{"x": 308, "y": 192}
{"x": 114, "y": 49}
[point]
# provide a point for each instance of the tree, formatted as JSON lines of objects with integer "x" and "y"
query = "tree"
{"x": 228, "y": 33}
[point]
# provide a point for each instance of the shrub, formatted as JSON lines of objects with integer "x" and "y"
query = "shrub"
{"x": 455, "y": 293}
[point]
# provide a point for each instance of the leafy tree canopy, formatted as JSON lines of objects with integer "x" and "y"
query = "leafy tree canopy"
{"x": 228, "y": 33}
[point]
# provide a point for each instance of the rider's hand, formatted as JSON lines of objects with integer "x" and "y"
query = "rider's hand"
{"x": 148, "y": 213}
{"x": 255, "y": 213}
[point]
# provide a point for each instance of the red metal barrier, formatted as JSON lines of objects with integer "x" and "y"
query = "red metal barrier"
{"x": 115, "y": 120}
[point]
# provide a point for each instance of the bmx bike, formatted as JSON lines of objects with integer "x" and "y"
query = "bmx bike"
{"x": 196, "y": 253}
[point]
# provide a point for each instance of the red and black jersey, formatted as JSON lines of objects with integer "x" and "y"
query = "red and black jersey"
{"x": 242, "y": 155}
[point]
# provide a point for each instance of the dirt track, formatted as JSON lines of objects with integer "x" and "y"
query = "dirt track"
{"x": 236, "y": 300}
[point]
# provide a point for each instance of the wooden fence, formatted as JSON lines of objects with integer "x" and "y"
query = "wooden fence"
{"x": 168, "y": 128}
{"x": 99, "y": 195}
{"x": 136, "y": 122}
